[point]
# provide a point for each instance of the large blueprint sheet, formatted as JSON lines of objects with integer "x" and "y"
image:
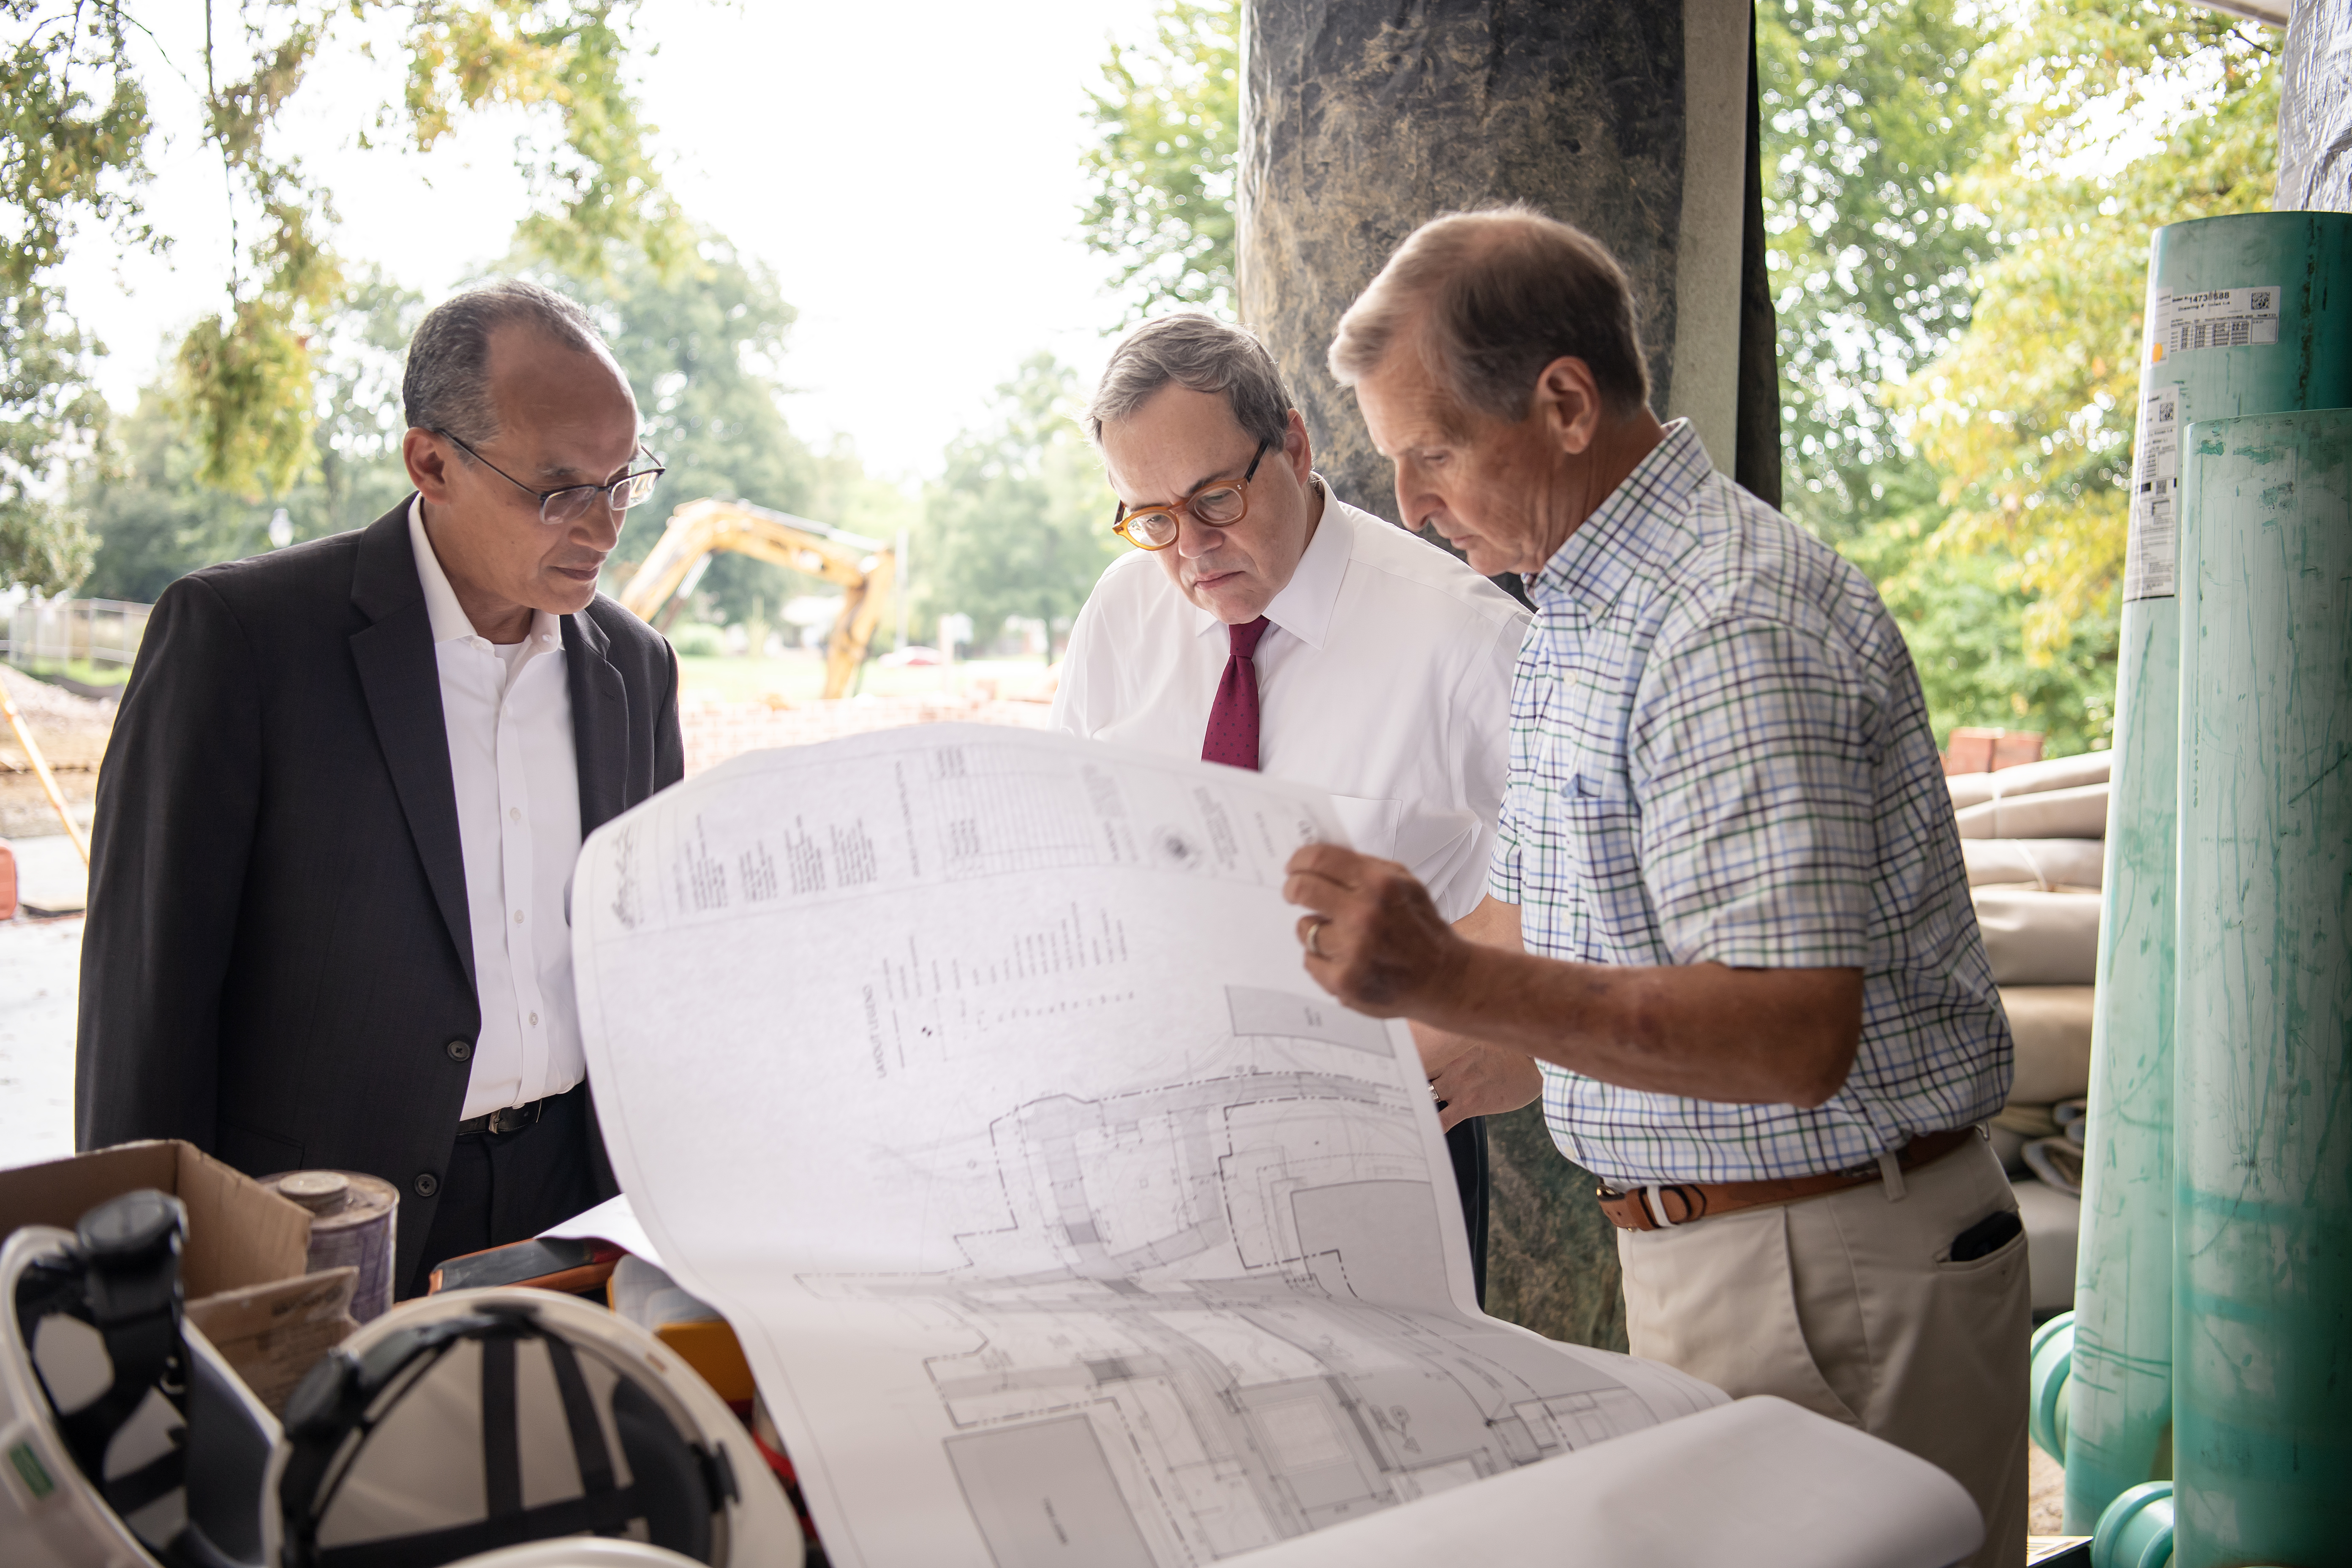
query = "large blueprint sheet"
{"x": 974, "y": 1075}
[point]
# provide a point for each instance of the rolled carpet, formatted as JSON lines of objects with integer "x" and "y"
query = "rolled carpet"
{"x": 2051, "y": 1026}
{"x": 2035, "y": 938}
{"x": 2078, "y": 813}
{"x": 2044, "y": 863}
{"x": 2033, "y": 778}
{"x": 2059, "y": 1162}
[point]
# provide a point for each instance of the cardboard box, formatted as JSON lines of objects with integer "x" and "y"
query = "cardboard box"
{"x": 240, "y": 1234}
{"x": 273, "y": 1333}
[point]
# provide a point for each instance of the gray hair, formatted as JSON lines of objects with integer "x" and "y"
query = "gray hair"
{"x": 446, "y": 386}
{"x": 1498, "y": 295}
{"x": 1203, "y": 355}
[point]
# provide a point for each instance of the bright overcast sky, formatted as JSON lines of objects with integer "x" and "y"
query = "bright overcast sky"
{"x": 911, "y": 175}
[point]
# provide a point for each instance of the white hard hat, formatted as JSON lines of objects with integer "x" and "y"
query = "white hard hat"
{"x": 471, "y": 1425}
{"x": 50, "y": 1513}
{"x": 185, "y": 1462}
{"x": 580, "y": 1552}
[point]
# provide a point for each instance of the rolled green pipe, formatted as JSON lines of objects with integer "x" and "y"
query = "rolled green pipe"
{"x": 2135, "y": 1530}
{"x": 2046, "y": 1365}
{"x": 2119, "y": 1395}
{"x": 2263, "y": 1195}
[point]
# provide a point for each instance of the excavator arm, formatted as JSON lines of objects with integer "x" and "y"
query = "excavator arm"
{"x": 867, "y": 570}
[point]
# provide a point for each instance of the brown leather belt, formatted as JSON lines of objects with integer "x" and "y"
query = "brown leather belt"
{"x": 1698, "y": 1199}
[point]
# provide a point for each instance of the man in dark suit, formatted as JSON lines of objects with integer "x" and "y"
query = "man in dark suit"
{"x": 329, "y": 911}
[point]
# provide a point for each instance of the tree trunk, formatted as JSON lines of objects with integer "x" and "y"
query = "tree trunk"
{"x": 1363, "y": 118}
{"x": 1551, "y": 1256}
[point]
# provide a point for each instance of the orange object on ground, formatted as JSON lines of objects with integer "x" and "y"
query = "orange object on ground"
{"x": 712, "y": 1349}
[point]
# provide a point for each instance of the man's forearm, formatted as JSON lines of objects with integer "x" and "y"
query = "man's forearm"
{"x": 1374, "y": 938}
{"x": 1470, "y": 1076}
{"x": 1757, "y": 1035}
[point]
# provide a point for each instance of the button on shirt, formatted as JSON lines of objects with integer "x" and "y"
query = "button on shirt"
{"x": 1384, "y": 679}
{"x": 508, "y": 713}
{"x": 1719, "y": 753}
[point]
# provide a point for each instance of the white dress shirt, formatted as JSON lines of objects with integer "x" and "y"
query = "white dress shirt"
{"x": 508, "y": 711}
{"x": 1384, "y": 679}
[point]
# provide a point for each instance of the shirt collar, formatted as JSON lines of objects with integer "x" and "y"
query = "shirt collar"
{"x": 449, "y": 618}
{"x": 1304, "y": 606}
{"x": 1597, "y": 561}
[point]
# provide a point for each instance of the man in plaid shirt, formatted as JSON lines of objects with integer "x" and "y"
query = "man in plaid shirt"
{"x": 1726, "y": 915}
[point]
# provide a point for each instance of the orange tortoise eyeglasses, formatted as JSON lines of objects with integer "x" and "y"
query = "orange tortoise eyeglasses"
{"x": 1220, "y": 503}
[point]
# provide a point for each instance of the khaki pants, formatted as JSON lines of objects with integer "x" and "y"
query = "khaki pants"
{"x": 1848, "y": 1305}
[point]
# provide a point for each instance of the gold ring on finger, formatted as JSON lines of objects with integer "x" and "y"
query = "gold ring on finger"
{"x": 1314, "y": 933}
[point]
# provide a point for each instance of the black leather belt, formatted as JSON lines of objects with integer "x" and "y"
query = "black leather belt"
{"x": 506, "y": 1118}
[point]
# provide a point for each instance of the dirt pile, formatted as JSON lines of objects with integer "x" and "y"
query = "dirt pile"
{"x": 71, "y": 732}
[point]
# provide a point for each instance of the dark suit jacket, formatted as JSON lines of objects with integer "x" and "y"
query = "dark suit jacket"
{"x": 278, "y": 959}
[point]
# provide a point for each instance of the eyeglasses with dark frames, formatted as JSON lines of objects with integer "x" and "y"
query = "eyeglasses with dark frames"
{"x": 570, "y": 503}
{"x": 1220, "y": 503}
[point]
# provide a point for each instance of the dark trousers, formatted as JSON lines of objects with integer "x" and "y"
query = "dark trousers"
{"x": 509, "y": 1186}
{"x": 1467, "y": 1145}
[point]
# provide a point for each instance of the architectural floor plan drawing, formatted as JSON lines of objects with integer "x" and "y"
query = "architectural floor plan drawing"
{"x": 1064, "y": 1220}
{"x": 1249, "y": 1334}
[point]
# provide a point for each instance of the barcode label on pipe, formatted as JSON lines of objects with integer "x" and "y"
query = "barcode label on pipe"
{"x": 2156, "y": 487}
{"x": 2216, "y": 318}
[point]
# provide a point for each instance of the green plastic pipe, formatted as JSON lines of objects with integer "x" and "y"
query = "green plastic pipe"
{"x": 2136, "y": 1529}
{"x": 2202, "y": 279}
{"x": 2047, "y": 1362}
{"x": 2263, "y": 1195}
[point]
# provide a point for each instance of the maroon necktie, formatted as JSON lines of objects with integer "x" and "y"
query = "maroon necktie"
{"x": 1232, "y": 717}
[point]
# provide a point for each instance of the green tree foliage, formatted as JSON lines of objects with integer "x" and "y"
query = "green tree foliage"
{"x": 1169, "y": 121}
{"x": 73, "y": 138}
{"x": 2031, "y": 414}
{"x": 700, "y": 342}
{"x": 155, "y": 516}
{"x": 1019, "y": 523}
{"x": 700, "y": 338}
{"x": 1963, "y": 616}
{"x": 1872, "y": 116}
{"x": 1869, "y": 112}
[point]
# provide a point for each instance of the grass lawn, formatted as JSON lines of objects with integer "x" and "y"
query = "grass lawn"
{"x": 81, "y": 669}
{"x": 799, "y": 677}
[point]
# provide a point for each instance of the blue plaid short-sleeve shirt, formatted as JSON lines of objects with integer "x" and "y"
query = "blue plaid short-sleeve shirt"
{"x": 1719, "y": 753}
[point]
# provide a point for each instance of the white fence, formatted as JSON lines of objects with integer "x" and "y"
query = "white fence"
{"x": 64, "y": 632}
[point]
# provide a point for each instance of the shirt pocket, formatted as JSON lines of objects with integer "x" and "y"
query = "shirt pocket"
{"x": 1590, "y": 772}
{"x": 1370, "y": 822}
{"x": 1600, "y": 830}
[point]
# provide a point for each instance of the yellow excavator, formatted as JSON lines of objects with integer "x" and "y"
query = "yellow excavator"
{"x": 866, "y": 568}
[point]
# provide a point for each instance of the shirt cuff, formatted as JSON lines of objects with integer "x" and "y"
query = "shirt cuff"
{"x": 1503, "y": 873}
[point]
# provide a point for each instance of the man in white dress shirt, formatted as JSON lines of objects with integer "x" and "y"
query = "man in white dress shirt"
{"x": 329, "y": 921}
{"x": 1264, "y": 623}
